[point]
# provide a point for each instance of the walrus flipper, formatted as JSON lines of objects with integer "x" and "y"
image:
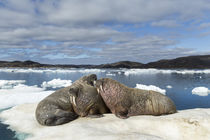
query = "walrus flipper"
{"x": 60, "y": 117}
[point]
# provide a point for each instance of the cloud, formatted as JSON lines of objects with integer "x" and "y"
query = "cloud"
{"x": 78, "y": 31}
{"x": 165, "y": 23}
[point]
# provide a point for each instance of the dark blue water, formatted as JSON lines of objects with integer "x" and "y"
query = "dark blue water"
{"x": 180, "y": 93}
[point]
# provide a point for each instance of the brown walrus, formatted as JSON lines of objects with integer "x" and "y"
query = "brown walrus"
{"x": 66, "y": 104}
{"x": 125, "y": 102}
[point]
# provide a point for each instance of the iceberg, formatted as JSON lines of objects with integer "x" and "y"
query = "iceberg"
{"x": 190, "y": 124}
{"x": 151, "y": 87}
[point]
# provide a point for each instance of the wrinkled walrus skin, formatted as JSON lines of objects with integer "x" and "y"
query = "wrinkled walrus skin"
{"x": 125, "y": 102}
{"x": 66, "y": 104}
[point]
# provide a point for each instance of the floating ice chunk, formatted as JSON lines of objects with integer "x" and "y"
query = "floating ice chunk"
{"x": 168, "y": 86}
{"x": 110, "y": 74}
{"x": 8, "y": 84}
{"x": 119, "y": 72}
{"x": 56, "y": 83}
{"x": 185, "y": 125}
{"x": 151, "y": 87}
{"x": 21, "y": 94}
{"x": 201, "y": 91}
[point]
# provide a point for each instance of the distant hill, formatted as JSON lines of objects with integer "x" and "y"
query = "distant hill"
{"x": 122, "y": 64}
{"x": 190, "y": 62}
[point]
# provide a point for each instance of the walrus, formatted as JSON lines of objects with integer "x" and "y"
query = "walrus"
{"x": 125, "y": 102}
{"x": 66, "y": 104}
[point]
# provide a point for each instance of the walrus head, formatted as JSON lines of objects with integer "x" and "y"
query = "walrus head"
{"x": 90, "y": 79}
{"x": 99, "y": 85}
{"x": 83, "y": 98}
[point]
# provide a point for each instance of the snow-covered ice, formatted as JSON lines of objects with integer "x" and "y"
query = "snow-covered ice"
{"x": 185, "y": 125}
{"x": 151, "y": 87}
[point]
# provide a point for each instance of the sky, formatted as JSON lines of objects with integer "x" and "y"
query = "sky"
{"x": 103, "y": 31}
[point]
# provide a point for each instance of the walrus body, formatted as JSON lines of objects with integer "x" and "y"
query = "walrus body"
{"x": 125, "y": 102}
{"x": 65, "y": 105}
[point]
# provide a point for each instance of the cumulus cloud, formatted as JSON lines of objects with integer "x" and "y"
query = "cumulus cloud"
{"x": 80, "y": 31}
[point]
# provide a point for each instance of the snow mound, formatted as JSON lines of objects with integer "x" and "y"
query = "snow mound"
{"x": 201, "y": 91}
{"x": 151, "y": 87}
{"x": 185, "y": 125}
{"x": 56, "y": 83}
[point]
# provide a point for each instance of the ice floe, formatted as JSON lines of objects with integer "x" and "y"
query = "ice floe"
{"x": 185, "y": 125}
{"x": 56, "y": 83}
{"x": 151, "y": 87}
{"x": 201, "y": 91}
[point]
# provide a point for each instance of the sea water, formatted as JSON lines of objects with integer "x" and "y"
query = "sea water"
{"x": 187, "y": 88}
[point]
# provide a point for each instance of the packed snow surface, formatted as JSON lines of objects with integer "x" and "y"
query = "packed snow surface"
{"x": 151, "y": 87}
{"x": 185, "y": 125}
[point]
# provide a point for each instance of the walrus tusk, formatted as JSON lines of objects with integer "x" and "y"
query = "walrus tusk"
{"x": 94, "y": 83}
{"x": 98, "y": 90}
{"x": 74, "y": 102}
{"x": 101, "y": 88}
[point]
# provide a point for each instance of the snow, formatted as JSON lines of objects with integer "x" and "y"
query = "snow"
{"x": 151, "y": 87}
{"x": 185, "y": 125}
{"x": 8, "y": 84}
{"x": 201, "y": 91}
{"x": 56, "y": 83}
{"x": 14, "y": 92}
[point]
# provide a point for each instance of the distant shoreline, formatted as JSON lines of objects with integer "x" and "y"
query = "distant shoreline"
{"x": 189, "y": 62}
